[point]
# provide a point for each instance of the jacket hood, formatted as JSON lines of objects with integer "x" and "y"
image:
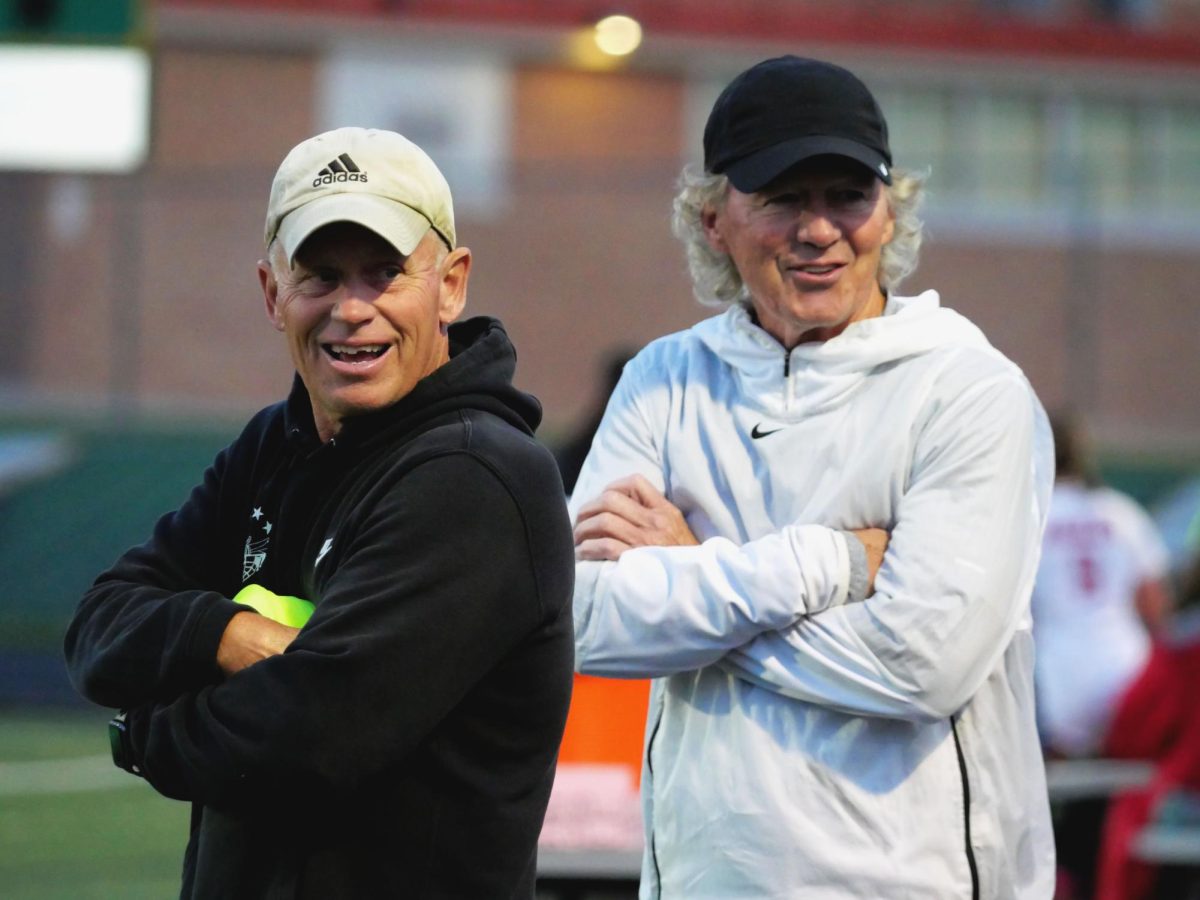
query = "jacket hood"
{"x": 812, "y": 377}
{"x": 478, "y": 376}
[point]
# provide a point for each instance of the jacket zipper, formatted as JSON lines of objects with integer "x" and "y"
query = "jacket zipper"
{"x": 966, "y": 789}
{"x": 787, "y": 381}
{"x": 650, "y": 770}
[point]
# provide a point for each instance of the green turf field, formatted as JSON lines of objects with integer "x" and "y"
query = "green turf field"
{"x": 74, "y": 827}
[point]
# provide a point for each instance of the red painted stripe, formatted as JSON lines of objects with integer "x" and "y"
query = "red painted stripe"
{"x": 971, "y": 30}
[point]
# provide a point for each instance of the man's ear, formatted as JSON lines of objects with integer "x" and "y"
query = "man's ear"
{"x": 710, "y": 222}
{"x": 889, "y": 230}
{"x": 456, "y": 271}
{"x": 270, "y": 289}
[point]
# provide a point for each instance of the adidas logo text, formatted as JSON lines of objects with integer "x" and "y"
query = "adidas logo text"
{"x": 330, "y": 177}
{"x": 339, "y": 170}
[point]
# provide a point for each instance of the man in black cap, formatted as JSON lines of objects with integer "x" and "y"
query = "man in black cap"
{"x": 814, "y": 520}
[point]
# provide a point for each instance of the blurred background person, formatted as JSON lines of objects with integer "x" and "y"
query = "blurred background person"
{"x": 573, "y": 450}
{"x": 1101, "y": 594}
{"x": 1116, "y": 667}
{"x": 1157, "y": 719}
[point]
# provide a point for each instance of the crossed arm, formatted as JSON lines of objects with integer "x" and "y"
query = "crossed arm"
{"x": 631, "y": 512}
{"x": 250, "y": 638}
{"x": 954, "y": 589}
{"x": 400, "y": 603}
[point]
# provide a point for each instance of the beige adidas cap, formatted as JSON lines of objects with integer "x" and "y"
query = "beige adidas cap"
{"x": 377, "y": 179}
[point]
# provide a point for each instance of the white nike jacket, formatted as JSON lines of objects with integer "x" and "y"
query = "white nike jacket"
{"x": 799, "y": 745}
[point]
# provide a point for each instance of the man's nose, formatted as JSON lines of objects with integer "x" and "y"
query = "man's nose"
{"x": 354, "y": 303}
{"x": 817, "y": 227}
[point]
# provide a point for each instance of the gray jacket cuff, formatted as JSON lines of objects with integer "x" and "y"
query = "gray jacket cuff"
{"x": 857, "y": 589}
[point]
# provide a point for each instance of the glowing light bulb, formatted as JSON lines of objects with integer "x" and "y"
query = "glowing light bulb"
{"x": 617, "y": 35}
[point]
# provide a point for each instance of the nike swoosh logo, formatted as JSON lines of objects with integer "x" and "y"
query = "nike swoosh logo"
{"x": 757, "y": 432}
{"x": 325, "y": 548}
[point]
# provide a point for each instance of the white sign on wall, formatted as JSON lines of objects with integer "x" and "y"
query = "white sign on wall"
{"x": 74, "y": 109}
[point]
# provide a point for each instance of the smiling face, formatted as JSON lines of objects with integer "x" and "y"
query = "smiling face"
{"x": 807, "y": 247}
{"x": 363, "y": 322}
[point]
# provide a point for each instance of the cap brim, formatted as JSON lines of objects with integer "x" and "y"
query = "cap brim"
{"x": 754, "y": 172}
{"x": 399, "y": 225}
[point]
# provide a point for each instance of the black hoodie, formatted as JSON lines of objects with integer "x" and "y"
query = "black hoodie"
{"x": 404, "y": 745}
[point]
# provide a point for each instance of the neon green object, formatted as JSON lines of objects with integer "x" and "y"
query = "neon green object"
{"x": 283, "y": 609}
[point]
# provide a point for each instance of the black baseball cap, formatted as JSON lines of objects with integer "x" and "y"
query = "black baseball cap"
{"x": 784, "y": 110}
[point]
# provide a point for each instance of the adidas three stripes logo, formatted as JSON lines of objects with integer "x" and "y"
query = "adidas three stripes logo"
{"x": 343, "y": 168}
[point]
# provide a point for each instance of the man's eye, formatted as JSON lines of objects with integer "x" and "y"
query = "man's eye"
{"x": 783, "y": 199}
{"x": 324, "y": 276}
{"x": 849, "y": 197}
{"x": 391, "y": 273}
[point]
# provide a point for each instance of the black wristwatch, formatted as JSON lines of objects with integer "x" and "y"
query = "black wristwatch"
{"x": 118, "y": 738}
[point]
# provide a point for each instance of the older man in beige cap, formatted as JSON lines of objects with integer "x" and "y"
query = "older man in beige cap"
{"x": 402, "y": 741}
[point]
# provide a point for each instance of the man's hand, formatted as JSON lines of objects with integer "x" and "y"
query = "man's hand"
{"x": 250, "y": 637}
{"x": 629, "y": 513}
{"x": 875, "y": 540}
